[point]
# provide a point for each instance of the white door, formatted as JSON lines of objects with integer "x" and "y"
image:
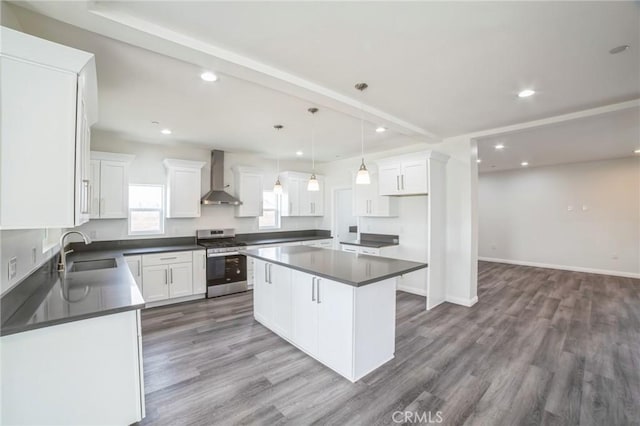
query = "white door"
{"x": 335, "y": 325}
{"x": 94, "y": 189}
{"x": 414, "y": 177}
{"x": 361, "y": 200}
{"x": 199, "y": 271}
{"x": 114, "y": 189}
{"x": 261, "y": 300}
{"x": 135, "y": 266}
{"x": 184, "y": 193}
{"x": 282, "y": 308}
{"x": 344, "y": 217}
{"x": 305, "y": 311}
{"x": 155, "y": 283}
{"x": 180, "y": 279}
{"x": 389, "y": 179}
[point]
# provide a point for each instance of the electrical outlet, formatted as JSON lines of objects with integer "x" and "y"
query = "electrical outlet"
{"x": 34, "y": 256}
{"x": 13, "y": 268}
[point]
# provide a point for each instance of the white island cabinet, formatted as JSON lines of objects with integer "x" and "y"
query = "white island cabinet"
{"x": 350, "y": 329}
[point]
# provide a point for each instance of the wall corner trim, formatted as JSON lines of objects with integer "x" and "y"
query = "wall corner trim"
{"x": 462, "y": 301}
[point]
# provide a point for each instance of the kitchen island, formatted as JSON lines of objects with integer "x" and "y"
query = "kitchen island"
{"x": 337, "y": 307}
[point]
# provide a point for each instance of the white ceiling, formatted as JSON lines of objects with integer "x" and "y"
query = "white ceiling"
{"x": 443, "y": 68}
{"x": 606, "y": 136}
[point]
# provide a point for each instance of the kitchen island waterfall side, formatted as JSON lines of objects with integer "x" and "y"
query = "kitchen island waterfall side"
{"x": 337, "y": 307}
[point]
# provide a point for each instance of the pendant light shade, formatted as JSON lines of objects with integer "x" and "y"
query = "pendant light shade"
{"x": 313, "y": 184}
{"x": 362, "y": 178}
{"x": 277, "y": 187}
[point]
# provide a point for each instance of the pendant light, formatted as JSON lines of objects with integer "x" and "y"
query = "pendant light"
{"x": 313, "y": 184}
{"x": 277, "y": 188}
{"x": 362, "y": 178}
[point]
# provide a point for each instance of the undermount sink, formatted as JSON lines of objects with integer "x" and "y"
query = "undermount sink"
{"x": 92, "y": 265}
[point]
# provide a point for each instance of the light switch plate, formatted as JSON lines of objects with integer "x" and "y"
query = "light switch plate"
{"x": 13, "y": 268}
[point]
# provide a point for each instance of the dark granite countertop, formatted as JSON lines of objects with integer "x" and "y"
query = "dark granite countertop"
{"x": 258, "y": 242}
{"x": 45, "y": 298}
{"x": 349, "y": 268}
{"x": 367, "y": 243}
{"x": 373, "y": 240}
{"x": 59, "y": 299}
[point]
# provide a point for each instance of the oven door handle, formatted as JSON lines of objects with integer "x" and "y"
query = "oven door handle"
{"x": 229, "y": 253}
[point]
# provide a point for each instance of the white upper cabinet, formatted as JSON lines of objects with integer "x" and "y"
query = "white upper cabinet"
{"x": 249, "y": 187}
{"x": 403, "y": 176}
{"x": 184, "y": 182}
{"x": 296, "y": 199}
{"x": 109, "y": 185}
{"x": 367, "y": 202}
{"x": 48, "y": 104}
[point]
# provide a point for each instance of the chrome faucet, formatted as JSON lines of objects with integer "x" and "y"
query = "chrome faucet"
{"x": 62, "y": 265}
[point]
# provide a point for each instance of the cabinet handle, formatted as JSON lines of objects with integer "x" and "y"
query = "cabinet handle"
{"x": 402, "y": 181}
{"x": 204, "y": 261}
{"x": 313, "y": 289}
{"x": 171, "y": 274}
{"x": 270, "y": 282}
{"x": 168, "y": 258}
{"x": 266, "y": 274}
{"x": 318, "y": 291}
{"x": 139, "y": 262}
{"x": 398, "y": 183}
{"x": 85, "y": 197}
{"x": 166, "y": 280}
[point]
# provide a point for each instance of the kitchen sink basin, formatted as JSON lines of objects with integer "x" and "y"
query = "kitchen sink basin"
{"x": 92, "y": 265}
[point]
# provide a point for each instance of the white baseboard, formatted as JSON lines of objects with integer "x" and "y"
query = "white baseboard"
{"x": 176, "y": 300}
{"x": 418, "y": 291}
{"x": 563, "y": 267}
{"x": 462, "y": 301}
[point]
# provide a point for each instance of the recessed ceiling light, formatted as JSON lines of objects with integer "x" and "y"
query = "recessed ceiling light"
{"x": 478, "y": 160}
{"x": 526, "y": 93}
{"x": 637, "y": 151}
{"x": 619, "y": 49}
{"x": 208, "y": 76}
{"x": 381, "y": 129}
{"x": 499, "y": 146}
{"x": 299, "y": 153}
{"x": 524, "y": 164}
{"x": 166, "y": 131}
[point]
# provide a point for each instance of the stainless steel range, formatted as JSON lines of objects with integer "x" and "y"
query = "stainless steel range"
{"x": 226, "y": 267}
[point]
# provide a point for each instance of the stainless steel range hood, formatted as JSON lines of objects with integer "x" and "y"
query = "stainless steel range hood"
{"x": 217, "y": 195}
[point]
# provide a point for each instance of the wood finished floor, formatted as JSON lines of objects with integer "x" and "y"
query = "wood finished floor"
{"x": 540, "y": 347}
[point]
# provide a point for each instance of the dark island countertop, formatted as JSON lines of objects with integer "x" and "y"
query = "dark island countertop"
{"x": 283, "y": 240}
{"x": 349, "y": 268}
{"x": 373, "y": 240}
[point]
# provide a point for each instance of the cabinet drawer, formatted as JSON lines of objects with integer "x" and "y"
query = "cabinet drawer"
{"x": 349, "y": 249}
{"x": 369, "y": 251}
{"x": 167, "y": 258}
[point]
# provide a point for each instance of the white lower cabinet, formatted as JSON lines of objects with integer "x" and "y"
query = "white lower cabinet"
{"x": 168, "y": 276}
{"x": 135, "y": 266}
{"x": 199, "y": 271}
{"x": 349, "y": 329}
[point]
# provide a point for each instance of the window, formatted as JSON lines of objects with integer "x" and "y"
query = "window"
{"x": 146, "y": 209}
{"x": 270, "y": 218}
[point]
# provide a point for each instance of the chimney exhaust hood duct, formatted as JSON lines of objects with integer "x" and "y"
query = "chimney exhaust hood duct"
{"x": 217, "y": 195}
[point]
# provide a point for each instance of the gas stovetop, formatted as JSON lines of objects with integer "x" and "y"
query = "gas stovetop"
{"x": 219, "y": 240}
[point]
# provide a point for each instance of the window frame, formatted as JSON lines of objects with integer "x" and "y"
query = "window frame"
{"x": 162, "y": 210}
{"x": 277, "y": 210}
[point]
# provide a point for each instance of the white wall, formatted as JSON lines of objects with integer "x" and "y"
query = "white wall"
{"x": 525, "y": 217}
{"x": 147, "y": 168}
